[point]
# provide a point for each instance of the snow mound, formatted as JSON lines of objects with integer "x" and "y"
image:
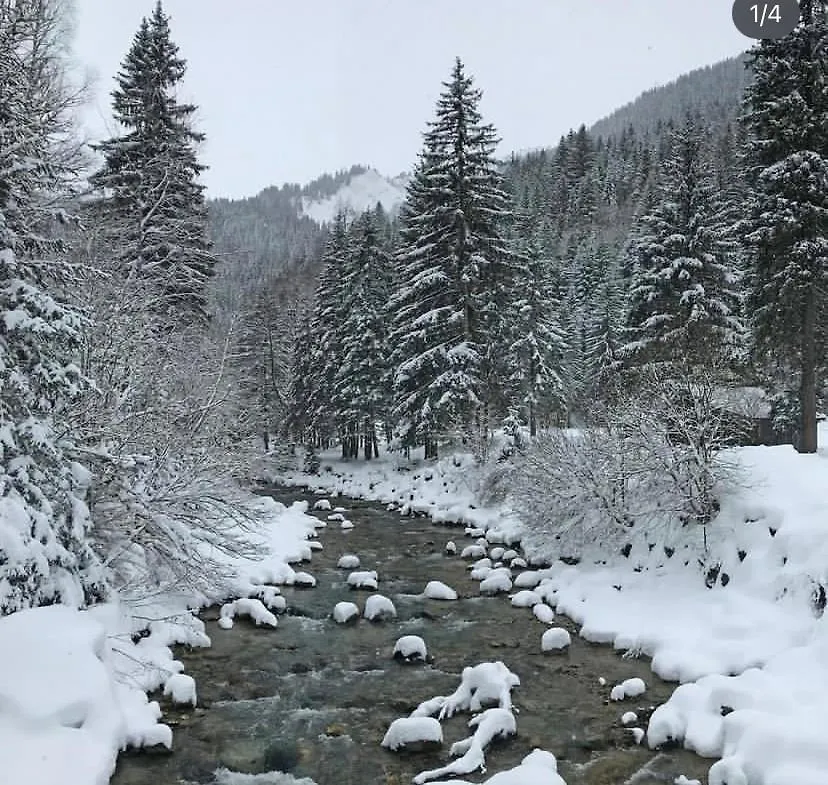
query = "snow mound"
{"x": 496, "y": 554}
{"x": 344, "y": 612}
{"x": 379, "y": 608}
{"x": 629, "y": 717}
{"x": 498, "y": 581}
{"x": 410, "y": 730}
{"x": 537, "y": 768}
{"x": 525, "y": 599}
{"x": 518, "y": 563}
{"x": 528, "y": 580}
{"x": 181, "y": 688}
{"x": 226, "y": 777}
{"x": 544, "y": 613}
{"x": 348, "y": 561}
{"x": 246, "y": 606}
{"x": 630, "y": 688}
{"x": 451, "y": 548}
{"x": 334, "y": 517}
{"x": 410, "y": 648}
{"x": 346, "y": 525}
{"x": 322, "y": 505}
{"x": 473, "y": 552}
{"x": 555, "y": 639}
{"x": 437, "y": 590}
{"x": 304, "y": 580}
{"x": 363, "y": 579}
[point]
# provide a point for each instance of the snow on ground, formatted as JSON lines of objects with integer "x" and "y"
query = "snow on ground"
{"x": 74, "y": 684}
{"x": 751, "y": 644}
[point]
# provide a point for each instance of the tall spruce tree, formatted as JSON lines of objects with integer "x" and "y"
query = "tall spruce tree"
{"x": 361, "y": 380}
{"x": 152, "y": 201}
{"x": 683, "y": 299}
{"x": 787, "y": 156}
{"x": 449, "y": 332}
{"x": 45, "y": 551}
{"x": 540, "y": 345}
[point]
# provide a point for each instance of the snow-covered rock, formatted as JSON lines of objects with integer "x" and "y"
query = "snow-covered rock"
{"x": 638, "y": 735}
{"x": 304, "y": 580}
{"x": 518, "y": 563}
{"x": 336, "y": 516}
{"x": 379, "y": 608}
{"x": 344, "y": 612}
{"x": 410, "y": 648}
{"x": 411, "y": 730}
{"x": 473, "y": 552}
{"x": 322, "y": 504}
{"x": 247, "y": 606}
{"x": 544, "y": 613}
{"x": 555, "y": 639}
{"x": 437, "y": 590}
{"x": 480, "y": 573}
{"x": 346, "y": 525}
{"x": 528, "y": 580}
{"x": 363, "y": 579}
{"x": 525, "y": 599}
{"x": 630, "y": 688}
{"x": 496, "y": 554}
{"x": 498, "y": 581}
{"x": 509, "y": 554}
{"x": 340, "y": 509}
{"x": 181, "y": 688}
{"x": 451, "y": 547}
{"x": 348, "y": 561}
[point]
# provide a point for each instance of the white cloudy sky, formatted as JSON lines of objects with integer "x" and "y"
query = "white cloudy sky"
{"x": 288, "y": 89}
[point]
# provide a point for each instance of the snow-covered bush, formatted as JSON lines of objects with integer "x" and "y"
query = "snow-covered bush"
{"x": 654, "y": 463}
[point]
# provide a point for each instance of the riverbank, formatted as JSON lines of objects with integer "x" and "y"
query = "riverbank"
{"x": 749, "y": 650}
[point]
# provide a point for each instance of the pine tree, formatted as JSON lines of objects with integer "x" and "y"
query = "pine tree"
{"x": 45, "y": 551}
{"x": 683, "y": 299}
{"x": 361, "y": 382}
{"x": 449, "y": 332}
{"x": 540, "y": 347}
{"x": 152, "y": 200}
{"x": 787, "y": 157}
{"x": 326, "y": 345}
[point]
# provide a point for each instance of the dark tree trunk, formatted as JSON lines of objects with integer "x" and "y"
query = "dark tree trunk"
{"x": 266, "y": 440}
{"x": 807, "y": 442}
{"x": 430, "y": 448}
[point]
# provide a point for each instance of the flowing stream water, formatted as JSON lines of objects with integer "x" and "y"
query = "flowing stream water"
{"x": 314, "y": 698}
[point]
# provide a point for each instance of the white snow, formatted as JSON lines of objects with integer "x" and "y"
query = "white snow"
{"x": 336, "y": 516}
{"x": 518, "y": 563}
{"x": 348, "y": 561}
{"x": 304, "y": 579}
{"x": 528, "y": 580}
{"x": 437, "y": 590}
{"x": 345, "y": 525}
{"x": 526, "y": 599}
{"x": 496, "y": 554}
{"x": 554, "y": 639}
{"x": 638, "y": 734}
{"x": 630, "y": 688}
{"x": 473, "y": 552}
{"x": 247, "y": 606}
{"x": 537, "y": 768}
{"x": 379, "y": 608}
{"x": 363, "y": 579}
{"x": 682, "y": 780}
{"x": 410, "y": 647}
{"x": 629, "y": 717}
{"x": 544, "y": 613}
{"x": 344, "y": 612}
{"x": 322, "y": 504}
{"x": 451, "y": 547}
{"x": 410, "y": 730}
{"x": 181, "y": 688}
{"x": 498, "y": 581}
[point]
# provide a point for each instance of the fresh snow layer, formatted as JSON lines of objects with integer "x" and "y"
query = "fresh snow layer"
{"x": 410, "y": 730}
{"x": 410, "y": 647}
{"x": 437, "y": 590}
{"x": 554, "y": 639}
{"x": 379, "y": 608}
{"x": 344, "y": 612}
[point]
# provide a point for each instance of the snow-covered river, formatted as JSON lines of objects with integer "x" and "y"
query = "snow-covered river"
{"x": 315, "y": 698}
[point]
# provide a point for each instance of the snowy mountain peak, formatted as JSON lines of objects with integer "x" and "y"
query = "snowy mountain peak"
{"x": 361, "y": 192}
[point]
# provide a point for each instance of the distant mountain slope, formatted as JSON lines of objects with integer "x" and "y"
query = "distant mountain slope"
{"x": 361, "y": 192}
{"x": 715, "y": 91}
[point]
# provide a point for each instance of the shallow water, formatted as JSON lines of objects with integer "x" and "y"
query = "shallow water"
{"x": 315, "y": 698}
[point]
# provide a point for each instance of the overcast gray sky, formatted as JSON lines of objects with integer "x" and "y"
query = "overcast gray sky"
{"x": 288, "y": 90}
